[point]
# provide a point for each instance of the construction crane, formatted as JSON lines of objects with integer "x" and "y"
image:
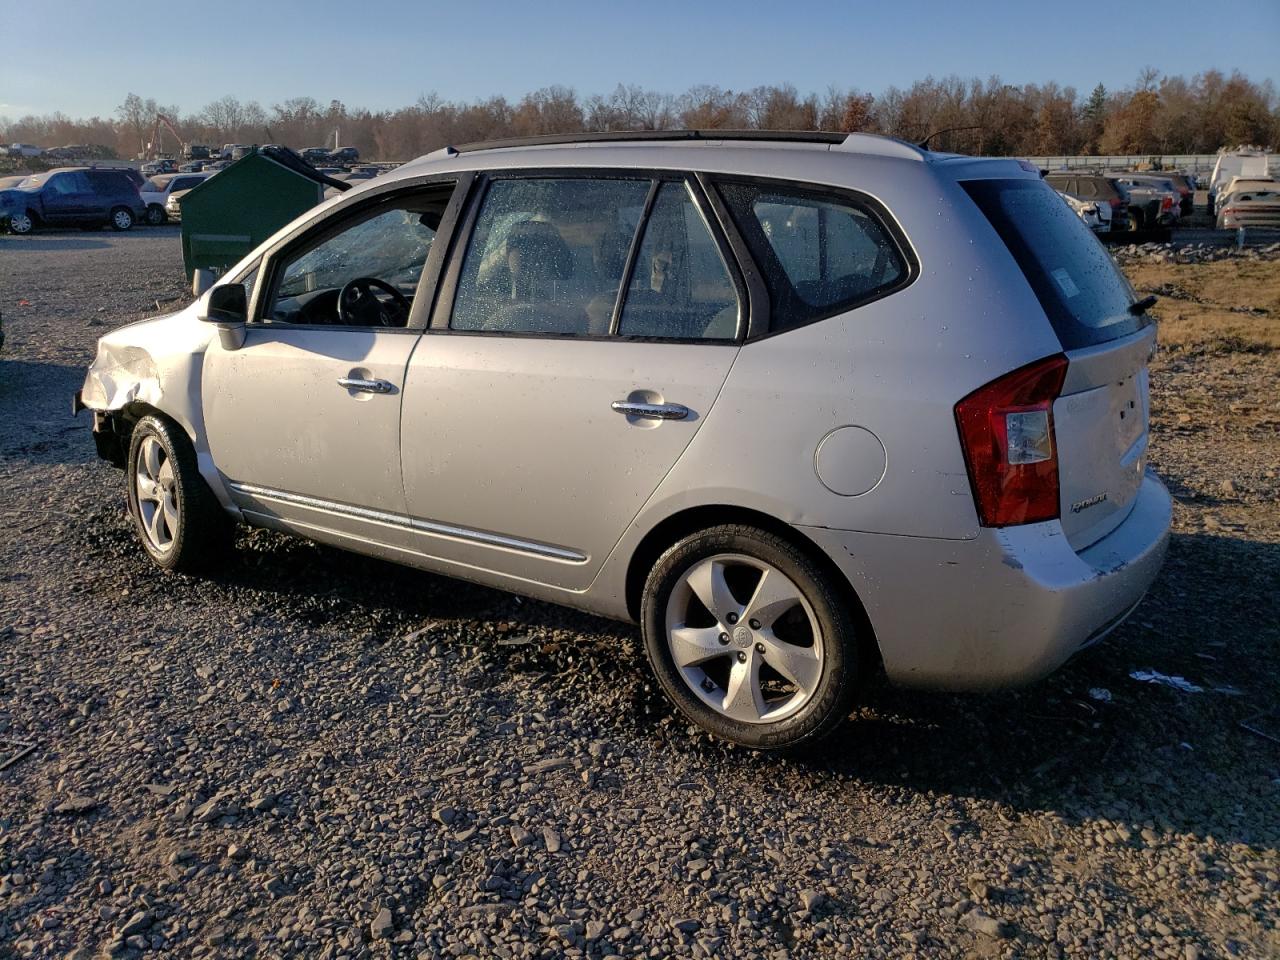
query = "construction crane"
{"x": 153, "y": 146}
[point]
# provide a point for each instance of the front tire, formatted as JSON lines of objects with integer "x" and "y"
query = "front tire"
{"x": 121, "y": 219}
{"x": 750, "y": 638}
{"x": 175, "y": 514}
{"x": 22, "y": 223}
{"x": 156, "y": 215}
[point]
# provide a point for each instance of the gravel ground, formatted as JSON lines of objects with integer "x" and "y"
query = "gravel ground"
{"x": 318, "y": 755}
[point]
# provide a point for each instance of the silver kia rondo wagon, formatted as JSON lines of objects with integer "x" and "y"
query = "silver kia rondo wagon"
{"x": 806, "y": 407}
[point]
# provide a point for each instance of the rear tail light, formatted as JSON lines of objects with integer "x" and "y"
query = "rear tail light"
{"x": 1116, "y": 203}
{"x": 1166, "y": 203}
{"x": 1006, "y": 431}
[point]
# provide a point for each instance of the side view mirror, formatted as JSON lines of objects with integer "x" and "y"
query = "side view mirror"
{"x": 228, "y": 308}
{"x": 201, "y": 281}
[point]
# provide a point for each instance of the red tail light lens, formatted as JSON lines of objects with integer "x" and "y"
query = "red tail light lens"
{"x": 1006, "y": 431}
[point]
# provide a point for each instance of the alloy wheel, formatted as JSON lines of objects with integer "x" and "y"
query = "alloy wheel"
{"x": 744, "y": 639}
{"x": 122, "y": 219}
{"x": 157, "y": 495}
{"x": 20, "y": 223}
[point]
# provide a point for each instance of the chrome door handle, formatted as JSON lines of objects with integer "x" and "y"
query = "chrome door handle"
{"x": 651, "y": 411}
{"x": 366, "y": 386}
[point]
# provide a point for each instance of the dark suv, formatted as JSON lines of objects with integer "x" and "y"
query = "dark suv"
{"x": 1095, "y": 186}
{"x": 74, "y": 196}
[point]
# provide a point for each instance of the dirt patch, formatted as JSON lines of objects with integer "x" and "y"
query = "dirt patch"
{"x": 1229, "y": 305}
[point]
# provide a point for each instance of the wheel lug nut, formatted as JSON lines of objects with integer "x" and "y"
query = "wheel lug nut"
{"x": 742, "y": 656}
{"x": 759, "y": 648}
{"x": 732, "y": 618}
{"x": 724, "y": 638}
{"x": 755, "y": 624}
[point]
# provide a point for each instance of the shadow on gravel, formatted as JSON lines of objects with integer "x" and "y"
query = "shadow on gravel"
{"x": 52, "y": 244}
{"x": 1140, "y": 753}
{"x": 42, "y": 430}
{"x": 1144, "y": 755}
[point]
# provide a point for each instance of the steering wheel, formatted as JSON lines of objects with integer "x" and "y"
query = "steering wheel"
{"x": 359, "y": 306}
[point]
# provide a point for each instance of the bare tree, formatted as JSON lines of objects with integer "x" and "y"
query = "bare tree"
{"x": 1157, "y": 114}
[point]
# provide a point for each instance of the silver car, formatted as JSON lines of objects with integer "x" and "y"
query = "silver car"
{"x": 806, "y": 407}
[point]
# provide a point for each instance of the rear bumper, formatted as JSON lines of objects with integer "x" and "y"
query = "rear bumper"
{"x": 1233, "y": 221}
{"x": 1006, "y": 608}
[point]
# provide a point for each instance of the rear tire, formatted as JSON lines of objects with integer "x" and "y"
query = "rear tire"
{"x": 778, "y": 666}
{"x": 176, "y": 516}
{"x": 121, "y": 219}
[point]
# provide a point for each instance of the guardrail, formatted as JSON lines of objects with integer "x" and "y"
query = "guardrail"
{"x": 1192, "y": 162}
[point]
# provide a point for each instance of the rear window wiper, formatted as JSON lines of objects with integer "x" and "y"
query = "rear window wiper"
{"x": 1142, "y": 306}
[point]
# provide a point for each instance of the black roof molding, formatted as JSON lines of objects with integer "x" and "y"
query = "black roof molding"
{"x": 624, "y": 136}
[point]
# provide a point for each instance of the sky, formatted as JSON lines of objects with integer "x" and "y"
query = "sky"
{"x": 81, "y": 57}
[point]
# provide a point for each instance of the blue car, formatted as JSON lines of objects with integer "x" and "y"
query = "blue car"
{"x": 73, "y": 196}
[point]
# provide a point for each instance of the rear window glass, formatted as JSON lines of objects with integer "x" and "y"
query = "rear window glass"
{"x": 1074, "y": 278}
{"x": 820, "y": 254}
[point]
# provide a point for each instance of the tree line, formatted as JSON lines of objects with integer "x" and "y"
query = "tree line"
{"x": 1157, "y": 114}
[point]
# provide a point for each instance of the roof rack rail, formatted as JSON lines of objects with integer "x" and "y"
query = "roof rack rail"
{"x": 623, "y": 136}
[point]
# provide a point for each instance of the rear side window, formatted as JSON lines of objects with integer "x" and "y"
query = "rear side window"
{"x": 680, "y": 286}
{"x": 1085, "y": 296}
{"x": 820, "y": 254}
{"x": 110, "y": 182}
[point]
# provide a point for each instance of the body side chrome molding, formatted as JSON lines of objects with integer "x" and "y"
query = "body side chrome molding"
{"x": 544, "y": 550}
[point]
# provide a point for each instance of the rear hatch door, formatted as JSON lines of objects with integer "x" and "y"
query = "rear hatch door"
{"x": 1100, "y": 420}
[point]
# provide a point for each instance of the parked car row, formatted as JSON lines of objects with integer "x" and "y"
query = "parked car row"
{"x": 157, "y": 191}
{"x": 344, "y": 156}
{"x": 73, "y": 196}
{"x": 25, "y": 150}
{"x": 1137, "y": 202}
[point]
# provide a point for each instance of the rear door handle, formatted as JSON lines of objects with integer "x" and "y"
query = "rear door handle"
{"x": 366, "y": 386}
{"x": 650, "y": 411}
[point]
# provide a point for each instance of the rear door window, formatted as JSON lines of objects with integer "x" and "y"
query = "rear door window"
{"x": 1085, "y": 296}
{"x": 820, "y": 254}
{"x": 547, "y": 256}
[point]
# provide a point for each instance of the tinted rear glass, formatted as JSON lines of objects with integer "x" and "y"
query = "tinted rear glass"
{"x": 820, "y": 253}
{"x": 1074, "y": 278}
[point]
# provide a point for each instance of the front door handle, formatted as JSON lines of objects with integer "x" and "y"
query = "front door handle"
{"x": 366, "y": 386}
{"x": 650, "y": 411}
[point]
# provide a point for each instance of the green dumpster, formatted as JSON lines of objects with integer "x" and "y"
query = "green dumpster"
{"x": 238, "y": 208}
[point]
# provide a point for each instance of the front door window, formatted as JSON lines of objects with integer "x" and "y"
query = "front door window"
{"x": 363, "y": 274}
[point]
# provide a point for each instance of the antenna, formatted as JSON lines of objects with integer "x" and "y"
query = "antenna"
{"x": 924, "y": 144}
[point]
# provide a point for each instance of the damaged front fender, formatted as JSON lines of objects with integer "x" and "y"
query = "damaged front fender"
{"x": 153, "y": 366}
{"x": 118, "y": 377}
